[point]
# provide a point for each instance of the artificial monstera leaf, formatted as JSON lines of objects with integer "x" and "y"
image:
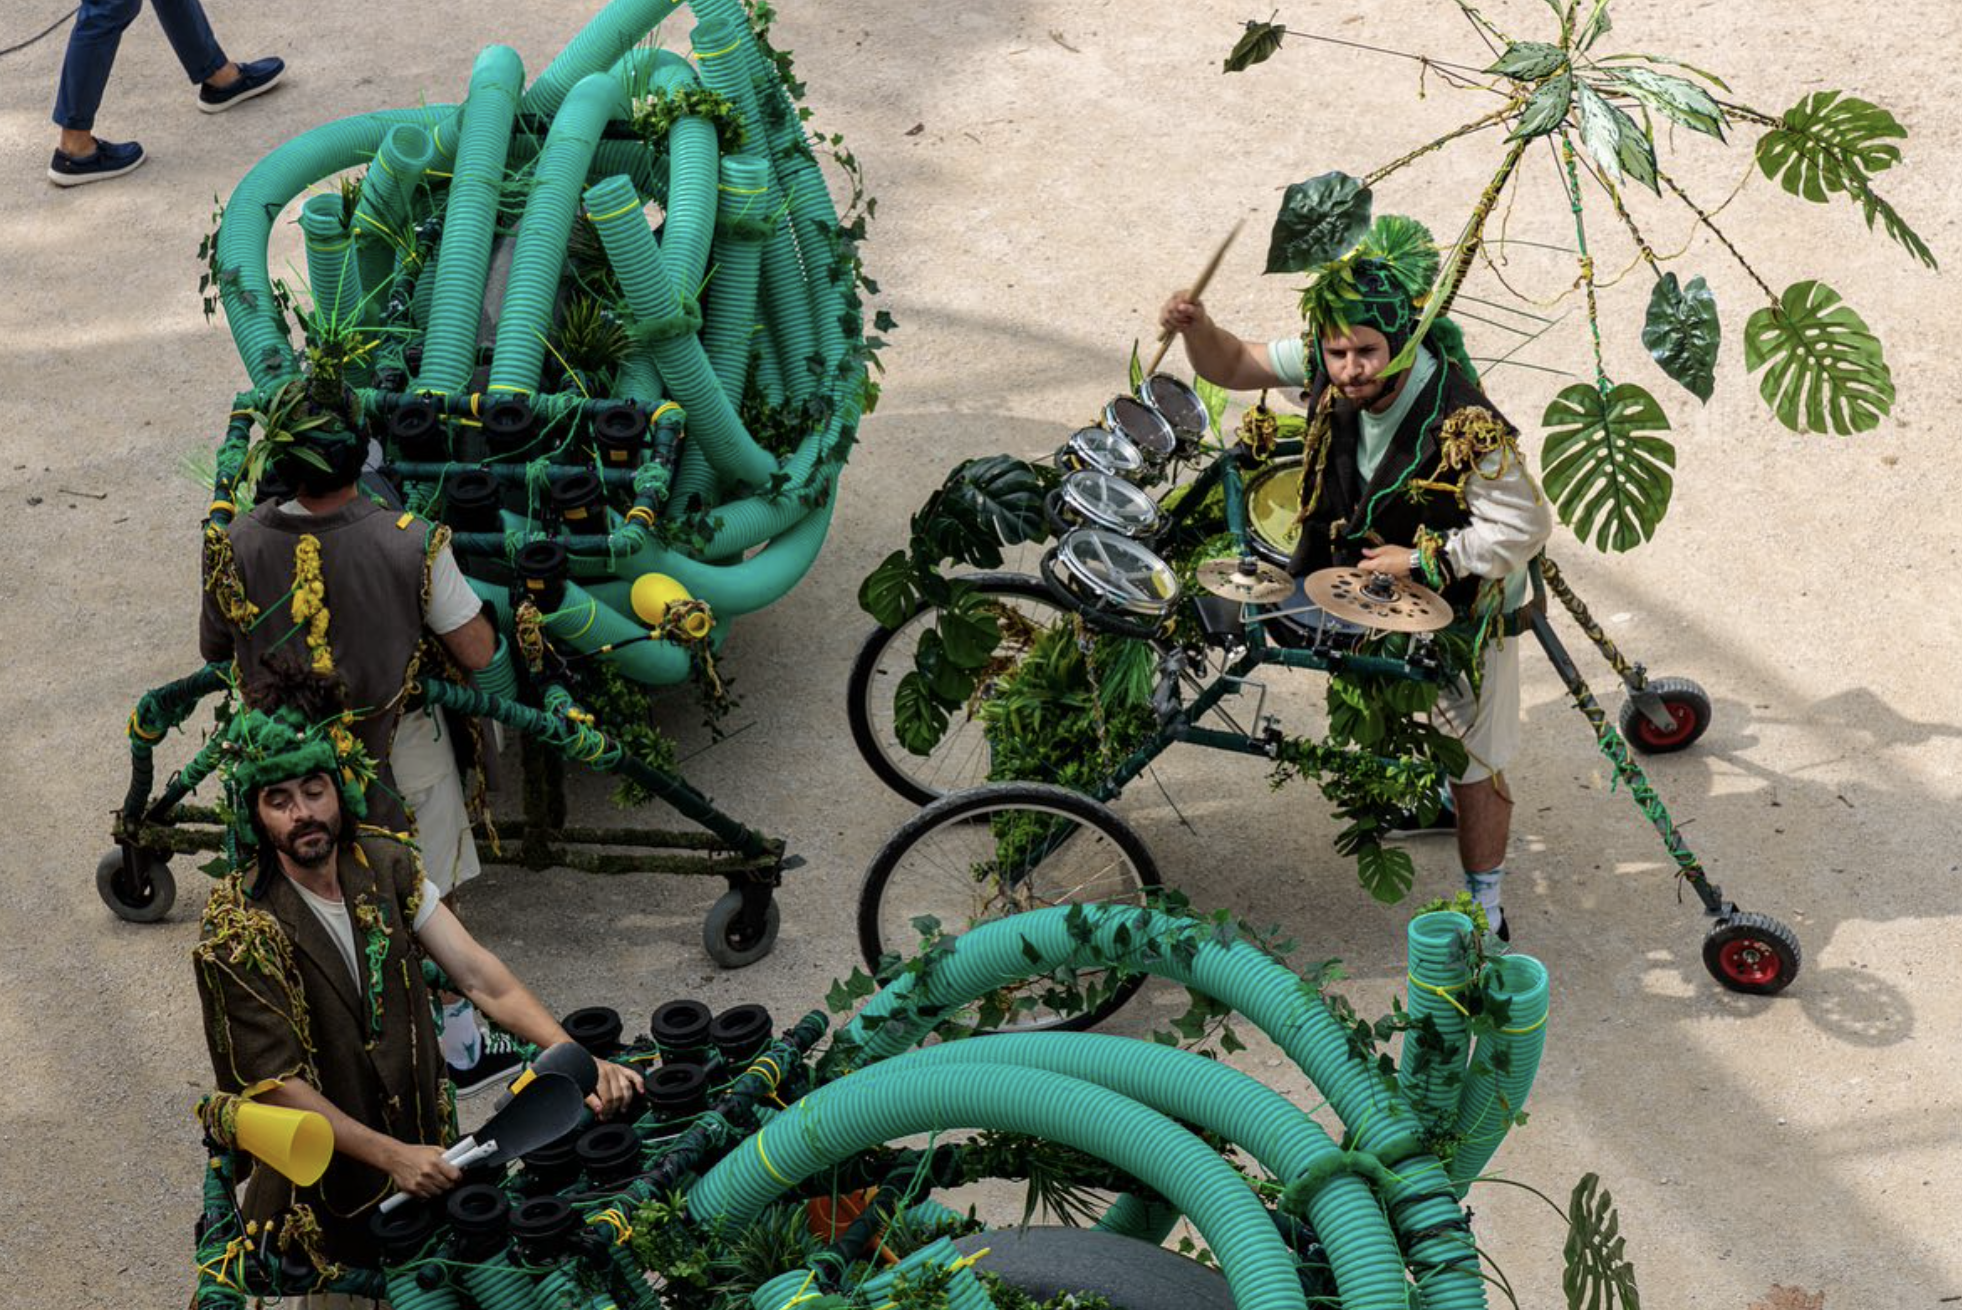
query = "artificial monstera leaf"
{"x": 1817, "y": 139}
{"x": 1529, "y": 61}
{"x": 1824, "y": 371}
{"x": 1598, "y": 1275}
{"x": 1675, "y": 98}
{"x": 1386, "y": 872}
{"x": 1682, "y": 332}
{"x": 949, "y": 684}
{"x": 1607, "y": 475}
{"x": 1260, "y": 43}
{"x": 917, "y": 719}
{"x": 1546, "y": 109}
{"x": 1004, "y": 494}
{"x": 1319, "y": 220}
{"x": 1617, "y": 142}
{"x": 888, "y": 593}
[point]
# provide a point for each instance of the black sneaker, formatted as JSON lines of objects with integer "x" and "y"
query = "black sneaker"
{"x": 1405, "y": 823}
{"x": 254, "y": 79}
{"x": 493, "y": 1069}
{"x": 109, "y": 159}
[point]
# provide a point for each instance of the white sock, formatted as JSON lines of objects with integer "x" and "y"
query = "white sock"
{"x": 1484, "y": 888}
{"x": 458, "y": 1035}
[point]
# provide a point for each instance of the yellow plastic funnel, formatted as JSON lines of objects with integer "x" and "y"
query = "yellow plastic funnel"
{"x": 298, "y": 1143}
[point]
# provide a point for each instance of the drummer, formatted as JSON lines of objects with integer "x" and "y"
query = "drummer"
{"x": 1415, "y": 474}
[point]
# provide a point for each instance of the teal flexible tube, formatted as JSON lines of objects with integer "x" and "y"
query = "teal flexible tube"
{"x": 1440, "y": 981}
{"x": 585, "y": 624}
{"x": 425, "y": 296}
{"x": 638, "y": 380}
{"x": 449, "y": 342}
{"x": 1489, "y": 1100}
{"x": 612, "y": 32}
{"x": 500, "y": 676}
{"x": 384, "y": 223}
{"x": 661, "y": 309}
{"x": 729, "y": 316}
{"x": 251, "y": 311}
{"x": 694, "y": 161}
{"x": 849, "y": 1116}
{"x": 769, "y": 373}
{"x": 694, "y": 478}
{"x": 963, "y": 1290}
{"x": 743, "y": 587}
{"x": 539, "y": 259}
{"x": 1193, "y": 1089}
{"x": 333, "y": 276}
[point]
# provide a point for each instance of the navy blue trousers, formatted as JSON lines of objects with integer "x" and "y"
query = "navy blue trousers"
{"x": 92, "y": 51}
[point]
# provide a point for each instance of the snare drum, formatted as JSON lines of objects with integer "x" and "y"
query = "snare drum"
{"x": 1102, "y": 450}
{"x": 1300, "y": 624}
{"x": 1273, "y": 507}
{"x": 1103, "y": 570}
{"x": 1144, "y": 427}
{"x": 1179, "y": 405}
{"x": 1098, "y": 500}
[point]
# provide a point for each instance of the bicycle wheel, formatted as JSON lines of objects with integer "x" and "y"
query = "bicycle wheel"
{"x": 990, "y": 852}
{"x": 1023, "y": 607}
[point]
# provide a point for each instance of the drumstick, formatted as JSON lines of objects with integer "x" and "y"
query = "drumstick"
{"x": 1198, "y": 289}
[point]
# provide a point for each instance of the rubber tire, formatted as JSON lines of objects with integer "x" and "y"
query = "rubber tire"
{"x": 1725, "y": 948}
{"x": 1687, "y": 701}
{"x": 960, "y": 810}
{"x": 1045, "y": 1261}
{"x": 721, "y": 922}
{"x": 858, "y": 686}
{"x": 136, "y": 908}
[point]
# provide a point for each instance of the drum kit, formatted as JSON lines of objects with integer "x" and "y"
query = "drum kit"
{"x": 1103, "y": 565}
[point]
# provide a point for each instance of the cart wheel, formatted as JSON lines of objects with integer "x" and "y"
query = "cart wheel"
{"x": 1752, "y": 953}
{"x": 1023, "y": 607}
{"x": 990, "y": 852}
{"x": 144, "y": 898}
{"x": 726, "y": 940}
{"x": 1687, "y": 704}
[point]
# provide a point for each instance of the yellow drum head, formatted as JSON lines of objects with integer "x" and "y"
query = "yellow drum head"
{"x": 1273, "y": 501}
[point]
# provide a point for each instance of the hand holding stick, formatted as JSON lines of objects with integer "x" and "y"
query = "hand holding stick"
{"x": 1198, "y": 289}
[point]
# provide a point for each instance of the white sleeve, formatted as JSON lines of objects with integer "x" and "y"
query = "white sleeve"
{"x": 431, "y": 898}
{"x": 1510, "y": 520}
{"x": 451, "y": 602}
{"x": 1289, "y": 361}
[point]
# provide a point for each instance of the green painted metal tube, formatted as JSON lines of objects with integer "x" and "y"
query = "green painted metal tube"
{"x": 251, "y": 312}
{"x": 612, "y": 32}
{"x": 852, "y": 1115}
{"x": 449, "y": 343}
{"x": 383, "y": 223}
{"x": 673, "y": 321}
{"x": 539, "y": 260}
{"x": 333, "y": 275}
{"x": 585, "y": 623}
{"x": 1440, "y": 980}
{"x": 1489, "y": 1100}
{"x": 729, "y": 317}
{"x": 1193, "y": 1089}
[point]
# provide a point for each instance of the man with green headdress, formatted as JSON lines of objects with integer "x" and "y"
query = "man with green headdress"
{"x": 1412, "y": 473}
{"x": 309, "y": 967}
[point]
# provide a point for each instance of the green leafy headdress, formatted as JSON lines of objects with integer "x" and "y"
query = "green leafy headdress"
{"x": 260, "y": 748}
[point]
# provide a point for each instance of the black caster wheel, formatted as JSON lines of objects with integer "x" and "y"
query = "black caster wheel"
{"x": 726, "y": 940}
{"x": 1687, "y": 703}
{"x": 1752, "y": 953}
{"x": 144, "y": 897}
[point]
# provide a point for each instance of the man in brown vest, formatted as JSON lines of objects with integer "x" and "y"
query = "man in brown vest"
{"x": 308, "y": 968}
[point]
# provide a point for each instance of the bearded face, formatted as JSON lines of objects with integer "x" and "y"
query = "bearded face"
{"x": 302, "y": 819}
{"x": 1355, "y": 362}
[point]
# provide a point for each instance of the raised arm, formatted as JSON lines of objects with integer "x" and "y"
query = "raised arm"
{"x": 1216, "y": 354}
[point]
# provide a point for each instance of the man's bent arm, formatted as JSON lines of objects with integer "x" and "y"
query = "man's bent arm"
{"x": 473, "y": 644}
{"x": 418, "y": 1170}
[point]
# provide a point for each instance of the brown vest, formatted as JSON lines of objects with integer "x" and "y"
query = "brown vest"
{"x": 374, "y": 567}
{"x": 371, "y": 1049}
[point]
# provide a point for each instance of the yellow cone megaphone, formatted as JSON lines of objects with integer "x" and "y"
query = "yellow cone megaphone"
{"x": 651, "y": 596}
{"x": 298, "y": 1143}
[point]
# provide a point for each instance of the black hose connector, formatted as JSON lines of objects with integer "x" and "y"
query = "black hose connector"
{"x": 471, "y": 502}
{"x": 681, "y": 1030}
{"x": 739, "y": 1033}
{"x": 481, "y": 1215}
{"x": 402, "y": 1232}
{"x": 580, "y": 499}
{"x": 620, "y": 435}
{"x": 610, "y": 1152}
{"x": 415, "y": 431}
{"x": 541, "y": 570}
{"x": 543, "y": 1227}
{"x": 552, "y": 1166}
{"x": 597, "y": 1028}
{"x": 676, "y": 1091}
{"x": 509, "y": 425}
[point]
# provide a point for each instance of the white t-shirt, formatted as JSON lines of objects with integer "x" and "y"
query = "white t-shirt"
{"x": 334, "y": 918}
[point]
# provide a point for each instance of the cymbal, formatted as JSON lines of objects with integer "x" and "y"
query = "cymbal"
{"x": 1248, "y": 580}
{"x": 1378, "y": 600}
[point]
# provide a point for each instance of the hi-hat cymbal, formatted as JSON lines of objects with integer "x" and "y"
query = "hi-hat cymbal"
{"x": 1378, "y": 600}
{"x": 1248, "y": 580}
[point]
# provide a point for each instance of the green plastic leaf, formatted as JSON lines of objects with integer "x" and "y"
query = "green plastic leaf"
{"x": 950, "y": 684}
{"x": 1598, "y": 1275}
{"x": 1824, "y": 371}
{"x": 1003, "y": 494}
{"x": 1705, "y": 74}
{"x": 1529, "y": 61}
{"x": 1409, "y": 249}
{"x": 1827, "y": 139}
{"x": 1136, "y": 374}
{"x": 1608, "y": 477}
{"x": 1386, "y": 872}
{"x": 1682, "y": 333}
{"x": 1674, "y": 98}
{"x": 969, "y": 639}
{"x": 1873, "y": 207}
{"x": 1596, "y": 26}
{"x": 1320, "y": 220}
{"x": 1213, "y": 397}
{"x": 887, "y": 593}
{"x": 1618, "y": 143}
{"x": 1258, "y": 44}
{"x": 917, "y": 719}
{"x": 1546, "y": 110}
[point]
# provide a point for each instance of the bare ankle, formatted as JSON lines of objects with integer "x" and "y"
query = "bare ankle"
{"x": 76, "y": 144}
{"x": 223, "y": 78}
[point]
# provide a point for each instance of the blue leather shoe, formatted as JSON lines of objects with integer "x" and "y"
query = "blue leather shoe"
{"x": 254, "y": 79}
{"x": 109, "y": 159}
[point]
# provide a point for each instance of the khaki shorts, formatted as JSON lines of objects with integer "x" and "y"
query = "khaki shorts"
{"x": 432, "y": 789}
{"x": 1487, "y": 721}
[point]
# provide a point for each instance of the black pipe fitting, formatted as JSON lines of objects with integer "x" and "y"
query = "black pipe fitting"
{"x": 681, "y": 1030}
{"x": 739, "y": 1033}
{"x": 541, "y": 568}
{"x": 471, "y": 502}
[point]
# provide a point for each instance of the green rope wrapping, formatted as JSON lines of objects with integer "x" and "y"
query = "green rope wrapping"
{"x": 1584, "y": 617}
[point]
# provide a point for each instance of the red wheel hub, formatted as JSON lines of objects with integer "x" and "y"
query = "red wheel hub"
{"x": 1752, "y": 961}
{"x": 1683, "y": 718}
